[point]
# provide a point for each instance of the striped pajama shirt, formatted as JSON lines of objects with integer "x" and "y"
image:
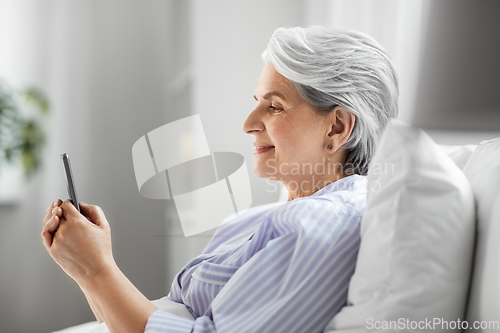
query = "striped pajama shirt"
{"x": 281, "y": 267}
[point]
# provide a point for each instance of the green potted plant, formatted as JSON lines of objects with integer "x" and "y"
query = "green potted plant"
{"x": 21, "y": 133}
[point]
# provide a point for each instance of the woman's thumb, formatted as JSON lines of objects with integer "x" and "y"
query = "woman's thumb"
{"x": 93, "y": 213}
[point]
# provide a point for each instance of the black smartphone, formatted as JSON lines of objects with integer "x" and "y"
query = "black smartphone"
{"x": 70, "y": 181}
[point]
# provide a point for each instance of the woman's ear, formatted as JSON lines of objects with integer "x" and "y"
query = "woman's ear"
{"x": 341, "y": 123}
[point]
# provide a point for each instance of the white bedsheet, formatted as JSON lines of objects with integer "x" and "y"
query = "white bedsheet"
{"x": 164, "y": 304}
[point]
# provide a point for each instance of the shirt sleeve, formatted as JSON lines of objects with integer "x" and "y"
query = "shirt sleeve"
{"x": 295, "y": 283}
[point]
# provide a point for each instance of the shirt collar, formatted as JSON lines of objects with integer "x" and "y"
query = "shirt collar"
{"x": 350, "y": 183}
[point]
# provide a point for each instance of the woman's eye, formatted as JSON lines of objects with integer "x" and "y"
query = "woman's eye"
{"x": 275, "y": 108}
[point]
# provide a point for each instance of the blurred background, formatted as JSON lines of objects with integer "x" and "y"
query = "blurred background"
{"x": 114, "y": 70}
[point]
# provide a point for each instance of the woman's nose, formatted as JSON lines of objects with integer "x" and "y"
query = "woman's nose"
{"x": 253, "y": 124}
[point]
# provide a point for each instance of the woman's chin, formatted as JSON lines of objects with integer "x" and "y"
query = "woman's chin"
{"x": 261, "y": 173}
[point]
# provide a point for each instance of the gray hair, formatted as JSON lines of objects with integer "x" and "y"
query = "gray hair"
{"x": 331, "y": 67}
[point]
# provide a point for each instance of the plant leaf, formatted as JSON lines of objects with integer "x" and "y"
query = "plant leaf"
{"x": 37, "y": 97}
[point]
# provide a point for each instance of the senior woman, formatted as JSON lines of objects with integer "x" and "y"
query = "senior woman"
{"x": 323, "y": 100}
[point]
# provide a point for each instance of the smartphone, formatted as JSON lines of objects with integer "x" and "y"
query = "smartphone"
{"x": 70, "y": 181}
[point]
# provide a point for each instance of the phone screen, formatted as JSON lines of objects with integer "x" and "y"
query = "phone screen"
{"x": 70, "y": 181}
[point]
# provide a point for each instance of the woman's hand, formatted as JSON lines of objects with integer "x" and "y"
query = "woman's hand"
{"x": 80, "y": 244}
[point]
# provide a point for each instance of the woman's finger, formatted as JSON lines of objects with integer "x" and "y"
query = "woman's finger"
{"x": 53, "y": 224}
{"x": 58, "y": 203}
{"x": 49, "y": 211}
{"x": 57, "y": 212}
{"x": 46, "y": 240}
{"x": 69, "y": 210}
{"x": 48, "y": 215}
{"x": 49, "y": 229}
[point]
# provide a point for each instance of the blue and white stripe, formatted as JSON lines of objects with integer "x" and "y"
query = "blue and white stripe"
{"x": 291, "y": 276}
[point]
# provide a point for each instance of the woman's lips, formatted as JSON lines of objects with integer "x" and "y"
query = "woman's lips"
{"x": 262, "y": 148}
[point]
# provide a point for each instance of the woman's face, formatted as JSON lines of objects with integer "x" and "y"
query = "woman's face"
{"x": 290, "y": 136}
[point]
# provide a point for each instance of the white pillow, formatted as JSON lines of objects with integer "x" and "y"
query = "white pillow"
{"x": 483, "y": 172}
{"x": 459, "y": 154}
{"x": 416, "y": 239}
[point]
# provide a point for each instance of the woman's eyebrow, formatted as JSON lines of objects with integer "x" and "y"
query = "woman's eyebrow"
{"x": 271, "y": 94}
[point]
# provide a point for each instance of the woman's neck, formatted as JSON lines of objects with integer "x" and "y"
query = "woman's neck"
{"x": 307, "y": 185}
